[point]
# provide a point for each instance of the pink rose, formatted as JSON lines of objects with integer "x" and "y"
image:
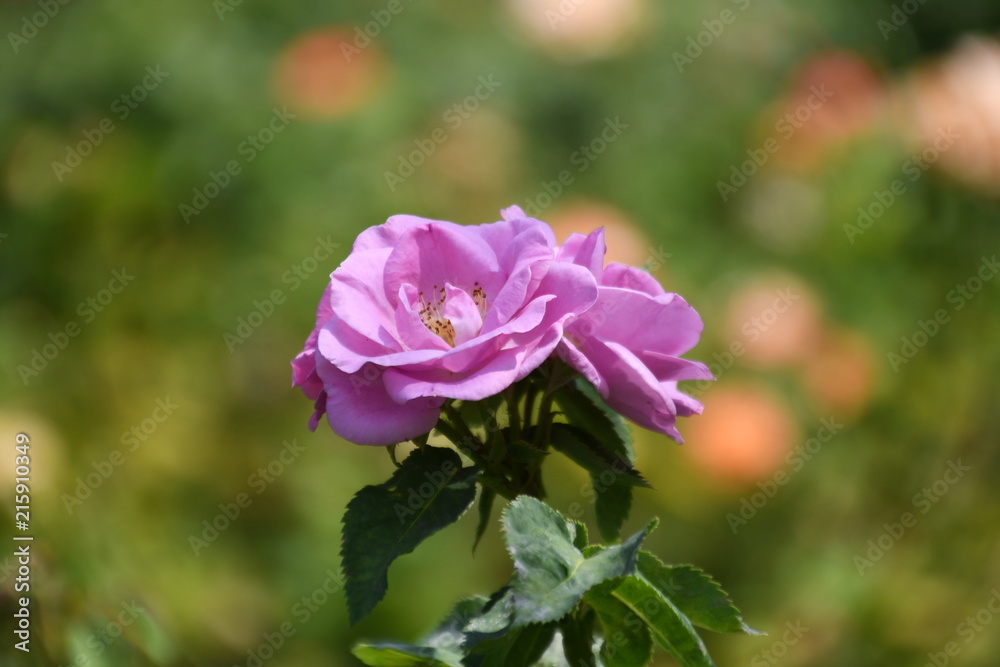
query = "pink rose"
{"x": 629, "y": 343}
{"x": 423, "y": 310}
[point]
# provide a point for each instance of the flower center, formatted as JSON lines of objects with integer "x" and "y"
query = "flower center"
{"x": 434, "y": 313}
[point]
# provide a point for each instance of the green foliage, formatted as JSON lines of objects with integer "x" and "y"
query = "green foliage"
{"x": 583, "y": 407}
{"x": 441, "y": 648}
{"x": 612, "y": 477}
{"x": 695, "y": 593}
{"x": 486, "y": 498}
{"x": 551, "y": 573}
{"x": 668, "y": 626}
{"x": 597, "y": 439}
{"x": 627, "y": 640}
{"x": 402, "y": 655}
{"x": 581, "y": 538}
{"x": 562, "y": 591}
{"x": 518, "y": 646}
{"x": 427, "y": 492}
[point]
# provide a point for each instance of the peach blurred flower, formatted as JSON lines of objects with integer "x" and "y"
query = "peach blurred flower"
{"x": 580, "y": 28}
{"x": 953, "y": 106}
{"x": 325, "y": 74}
{"x": 627, "y": 244}
{"x": 777, "y": 318}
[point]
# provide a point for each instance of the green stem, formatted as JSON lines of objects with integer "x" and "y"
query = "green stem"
{"x": 459, "y": 433}
{"x": 515, "y": 417}
{"x": 456, "y": 421}
{"x": 529, "y": 404}
{"x": 545, "y": 415}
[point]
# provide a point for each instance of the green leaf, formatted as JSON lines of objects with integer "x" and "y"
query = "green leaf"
{"x": 552, "y": 574}
{"x": 670, "y": 628}
{"x": 581, "y": 539}
{"x": 584, "y": 407}
{"x": 491, "y": 641}
{"x": 401, "y": 655}
{"x": 495, "y": 617}
{"x": 695, "y": 593}
{"x": 612, "y": 506}
{"x": 517, "y": 648}
{"x": 486, "y": 498}
{"x": 441, "y": 648}
{"x": 521, "y": 450}
{"x": 577, "y": 631}
{"x": 588, "y": 452}
{"x": 627, "y": 640}
{"x": 426, "y": 493}
{"x": 450, "y": 633}
{"x": 611, "y": 476}
{"x": 554, "y": 655}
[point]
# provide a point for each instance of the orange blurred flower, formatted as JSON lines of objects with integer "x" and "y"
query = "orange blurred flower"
{"x": 841, "y": 374}
{"x": 833, "y": 97}
{"x": 745, "y": 435}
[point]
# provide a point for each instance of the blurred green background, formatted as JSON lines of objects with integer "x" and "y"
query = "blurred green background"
{"x": 178, "y": 179}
